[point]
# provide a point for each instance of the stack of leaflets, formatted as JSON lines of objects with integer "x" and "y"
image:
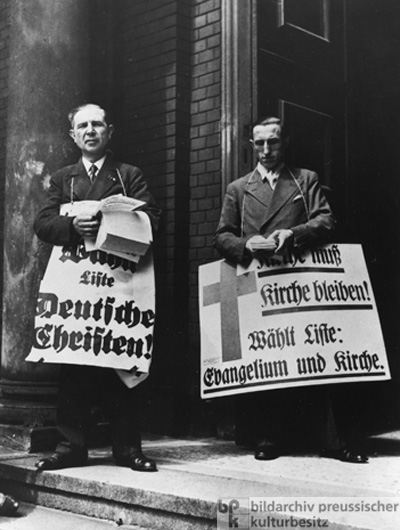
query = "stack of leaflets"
{"x": 268, "y": 245}
{"x": 124, "y": 231}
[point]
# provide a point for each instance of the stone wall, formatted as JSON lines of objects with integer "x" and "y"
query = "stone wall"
{"x": 167, "y": 98}
{"x": 205, "y": 177}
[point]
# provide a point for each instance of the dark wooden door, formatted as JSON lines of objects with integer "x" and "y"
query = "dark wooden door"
{"x": 330, "y": 69}
{"x": 301, "y": 78}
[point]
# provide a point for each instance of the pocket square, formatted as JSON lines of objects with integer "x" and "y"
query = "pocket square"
{"x": 297, "y": 198}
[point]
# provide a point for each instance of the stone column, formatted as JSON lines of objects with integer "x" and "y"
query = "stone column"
{"x": 239, "y": 87}
{"x": 48, "y": 75}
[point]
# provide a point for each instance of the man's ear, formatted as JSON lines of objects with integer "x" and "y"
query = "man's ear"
{"x": 110, "y": 130}
{"x": 286, "y": 142}
{"x": 72, "y": 134}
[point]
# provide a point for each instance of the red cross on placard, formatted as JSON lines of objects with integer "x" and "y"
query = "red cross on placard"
{"x": 226, "y": 293}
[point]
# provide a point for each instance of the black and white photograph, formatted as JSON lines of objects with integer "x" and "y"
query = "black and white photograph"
{"x": 200, "y": 263}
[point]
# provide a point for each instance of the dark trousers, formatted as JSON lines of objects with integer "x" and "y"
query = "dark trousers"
{"x": 84, "y": 387}
{"x": 290, "y": 417}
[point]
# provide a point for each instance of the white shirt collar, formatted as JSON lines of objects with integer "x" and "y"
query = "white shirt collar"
{"x": 99, "y": 163}
{"x": 271, "y": 176}
{"x": 267, "y": 174}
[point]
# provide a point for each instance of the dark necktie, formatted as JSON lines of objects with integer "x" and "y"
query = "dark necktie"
{"x": 271, "y": 180}
{"x": 92, "y": 172}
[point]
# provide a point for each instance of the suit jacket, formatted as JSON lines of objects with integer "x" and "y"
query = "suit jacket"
{"x": 72, "y": 182}
{"x": 251, "y": 207}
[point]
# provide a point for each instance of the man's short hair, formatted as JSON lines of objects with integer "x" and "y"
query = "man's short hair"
{"x": 73, "y": 112}
{"x": 270, "y": 120}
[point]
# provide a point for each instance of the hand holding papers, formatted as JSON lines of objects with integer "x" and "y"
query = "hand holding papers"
{"x": 261, "y": 244}
{"x": 124, "y": 231}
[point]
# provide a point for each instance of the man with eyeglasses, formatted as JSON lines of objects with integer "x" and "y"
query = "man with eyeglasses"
{"x": 268, "y": 212}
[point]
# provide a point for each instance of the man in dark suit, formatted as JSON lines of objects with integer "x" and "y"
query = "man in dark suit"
{"x": 96, "y": 176}
{"x": 269, "y": 211}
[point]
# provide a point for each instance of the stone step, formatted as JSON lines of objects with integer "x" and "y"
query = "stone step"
{"x": 32, "y": 517}
{"x": 194, "y": 474}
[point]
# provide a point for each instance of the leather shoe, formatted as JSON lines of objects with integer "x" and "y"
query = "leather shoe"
{"x": 266, "y": 452}
{"x": 137, "y": 462}
{"x": 345, "y": 455}
{"x": 8, "y": 505}
{"x": 61, "y": 461}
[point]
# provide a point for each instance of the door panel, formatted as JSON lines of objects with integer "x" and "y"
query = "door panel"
{"x": 307, "y": 127}
{"x": 301, "y": 78}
